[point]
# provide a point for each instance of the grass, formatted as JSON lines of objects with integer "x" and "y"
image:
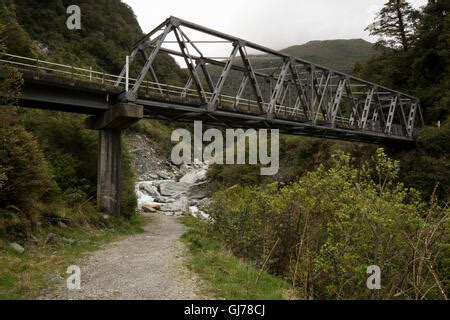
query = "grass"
{"x": 226, "y": 276}
{"x": 28, "y": 275}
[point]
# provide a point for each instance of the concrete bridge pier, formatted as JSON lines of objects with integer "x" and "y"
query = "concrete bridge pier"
{"x": 110, "y": 125}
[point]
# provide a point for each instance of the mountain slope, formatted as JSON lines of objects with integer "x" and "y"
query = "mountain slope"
{"x": 340, "y": 55}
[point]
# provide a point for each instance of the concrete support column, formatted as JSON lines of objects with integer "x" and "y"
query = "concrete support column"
{"x": 110, "y": 125}
{"x": 108, "y": 176}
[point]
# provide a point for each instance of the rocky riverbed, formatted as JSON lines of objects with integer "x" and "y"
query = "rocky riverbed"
{"x": 165, "y": 188}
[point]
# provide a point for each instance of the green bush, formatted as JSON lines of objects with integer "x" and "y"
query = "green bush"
{"x": 324, "y": 230}
{"x": 128, "y": 199}
{"x": 26, "y": 178}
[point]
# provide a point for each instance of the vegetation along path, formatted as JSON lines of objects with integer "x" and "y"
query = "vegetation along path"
{"x": 144, "y": 266}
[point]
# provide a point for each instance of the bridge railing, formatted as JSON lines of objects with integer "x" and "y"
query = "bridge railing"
{"x": 88, "y": 74}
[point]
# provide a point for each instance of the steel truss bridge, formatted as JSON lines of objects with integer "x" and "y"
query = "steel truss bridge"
{"x": 295, "y": 96}
{"x": 298, "y": 97}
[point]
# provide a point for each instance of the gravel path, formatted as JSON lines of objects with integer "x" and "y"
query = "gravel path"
{"x": 144, "y": 266}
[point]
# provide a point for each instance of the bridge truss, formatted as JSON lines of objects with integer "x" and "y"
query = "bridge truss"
{"x": 298, "y": 96}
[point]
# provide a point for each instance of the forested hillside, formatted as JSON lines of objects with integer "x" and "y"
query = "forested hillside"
{"x": 49, "y": 161}
{"x": 340, "y": 55}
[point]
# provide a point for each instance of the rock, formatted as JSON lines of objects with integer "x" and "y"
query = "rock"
{"x": 17, "y": 247}
{"x": 163, "y": 200}
{"x": 143, "y": 199}
{"x": 194, "y": 176}
{"x": 152, "y": 207}
{"x": 153, "y": 176}
{"x": 198, "y": 163}
{"x": 204, "y": 203}
{"x": 169, "y": 214}
{"x": 193, "y": 210}
{"x": 157, "y": 183}
{"x": 164, "y": 175}
{"x": 173, "y": 189}
{"x": 179, "y": 204}
{"x": 204, "y": 216}
{"x": 149, "y": 189}
{"x": 197, "y": 213}
{"x": 53, "y": 277}
{"x": 198, "y": 191}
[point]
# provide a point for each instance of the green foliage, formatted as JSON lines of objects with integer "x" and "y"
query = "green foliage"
{"x": 298, "y": 155}
{"x": 128, "y": 199}
{"x": 423, "y": 70}
{"x": 429, "y": 164}
{"x": 322, "y": 231}
{"x": 26, "y": 177}
{"x": 69, "y": 147}
{"x": 226, "y": 276}
{"x": 12, "y": 34}
{"x": 395, "y": 25}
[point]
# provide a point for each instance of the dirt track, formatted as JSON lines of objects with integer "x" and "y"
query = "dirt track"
{"x": 144, "y": 266}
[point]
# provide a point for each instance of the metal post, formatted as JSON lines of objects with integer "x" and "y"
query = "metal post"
{"x": 127, "y": 73}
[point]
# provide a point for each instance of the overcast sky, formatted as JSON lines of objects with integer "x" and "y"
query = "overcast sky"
{"x": 274, "y": 23}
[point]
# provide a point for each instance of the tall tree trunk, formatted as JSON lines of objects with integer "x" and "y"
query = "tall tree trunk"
{"x": 401, "y": 25}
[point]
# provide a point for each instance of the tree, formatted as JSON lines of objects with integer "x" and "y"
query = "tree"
{"x": 395, "y": 25}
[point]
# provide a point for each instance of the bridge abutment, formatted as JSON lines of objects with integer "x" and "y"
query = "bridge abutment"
{"x": 110, "y": 125}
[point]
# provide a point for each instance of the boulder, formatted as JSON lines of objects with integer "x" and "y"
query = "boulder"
{"x": 151, "y": 207}
{"x": 193, "y": 211}
{"x": 163, "y": 200}
{"x": 17, "y": 247}
{"x": 149, "y": 189}
{"x": 173, "y": 189}
{"x": 144, "y": 199}
{"x": 194, "y": 176}
{"x": 204, "y": 216}
{"x": 180, "y": 204}
{"x": 164, "y": 175}
{"x": 197, "y": 213}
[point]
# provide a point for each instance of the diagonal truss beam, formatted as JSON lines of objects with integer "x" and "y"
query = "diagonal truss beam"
{"x": 212, "y": 105}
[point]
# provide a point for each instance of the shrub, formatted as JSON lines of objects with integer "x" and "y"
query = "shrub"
{"x": 26, "y": 177}
{"x": 324, "y": 230}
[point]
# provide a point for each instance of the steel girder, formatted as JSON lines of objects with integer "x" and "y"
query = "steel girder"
{"x": 300, "y": 91}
